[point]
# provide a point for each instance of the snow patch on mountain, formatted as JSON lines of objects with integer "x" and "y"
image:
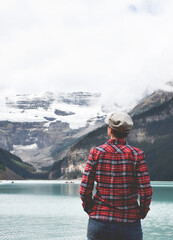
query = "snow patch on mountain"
{"x": 77, "y": 109}
{"x": 26, "y": 147}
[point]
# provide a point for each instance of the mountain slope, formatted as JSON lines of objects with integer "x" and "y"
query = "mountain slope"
{"x": 37, "y": 127}
{"x": 12, "y": 167}
{"x": 152, "y": 132}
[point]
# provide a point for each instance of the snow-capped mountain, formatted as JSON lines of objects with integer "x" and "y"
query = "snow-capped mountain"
{"x": 41, "y": 128}
{"x": 73, "y": 108}
{"x": 152, "y": 132}
{"x": 36, "y": 126}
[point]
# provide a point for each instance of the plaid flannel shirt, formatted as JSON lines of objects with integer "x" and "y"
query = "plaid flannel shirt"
{"x": 121, "y": 175}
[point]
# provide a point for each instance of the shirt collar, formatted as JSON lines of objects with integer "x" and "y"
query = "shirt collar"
{"x": 116, "y": 142}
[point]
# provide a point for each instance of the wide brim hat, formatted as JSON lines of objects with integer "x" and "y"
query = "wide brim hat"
{"x": 120, "y": 122}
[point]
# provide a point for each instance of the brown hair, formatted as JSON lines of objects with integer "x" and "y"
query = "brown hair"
{"x": 119, "y": 134}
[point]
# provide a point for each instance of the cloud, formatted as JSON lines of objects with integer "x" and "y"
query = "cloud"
{"x": 118, "y": 48}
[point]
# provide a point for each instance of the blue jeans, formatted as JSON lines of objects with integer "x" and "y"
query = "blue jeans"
{"x": 99, "y": 230}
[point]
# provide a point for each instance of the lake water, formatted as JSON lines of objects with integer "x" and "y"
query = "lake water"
{"x": 50, "y": 210}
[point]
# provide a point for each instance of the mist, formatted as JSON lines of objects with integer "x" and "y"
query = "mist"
{"x": 122, "y": 49}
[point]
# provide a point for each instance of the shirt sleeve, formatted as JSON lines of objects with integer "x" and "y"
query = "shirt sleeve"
{"x": 144, "y": 187}
{"x": 87, "y": 183}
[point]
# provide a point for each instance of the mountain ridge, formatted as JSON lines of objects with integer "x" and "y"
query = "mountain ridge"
{"x": 33, "y": 127}
{"x": 51, "y": 145}
{"x": 152, "y": 132}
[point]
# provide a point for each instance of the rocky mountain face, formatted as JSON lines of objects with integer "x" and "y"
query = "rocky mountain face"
{"x": 152, "y": 132}
{"x": 40, "y": 128}
{"x": 55, "y": 132}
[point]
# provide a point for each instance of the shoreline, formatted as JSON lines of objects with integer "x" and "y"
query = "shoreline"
{"x": 30, "y": 181}
{"x": 74, "y": 181}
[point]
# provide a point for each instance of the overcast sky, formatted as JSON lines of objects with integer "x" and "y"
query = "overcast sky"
{"x": 120, "y": 48}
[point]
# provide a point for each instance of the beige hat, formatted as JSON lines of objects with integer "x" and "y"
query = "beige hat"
{"x": 120, "y": 122}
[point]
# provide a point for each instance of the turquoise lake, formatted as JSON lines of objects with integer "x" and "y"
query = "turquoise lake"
{"x": 50, "y": 210}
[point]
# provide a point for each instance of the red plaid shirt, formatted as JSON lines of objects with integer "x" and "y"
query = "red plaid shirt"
{"x": 121, "y": 174}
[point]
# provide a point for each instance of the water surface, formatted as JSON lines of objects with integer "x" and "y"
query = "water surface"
{"x": 50, "y": 210}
